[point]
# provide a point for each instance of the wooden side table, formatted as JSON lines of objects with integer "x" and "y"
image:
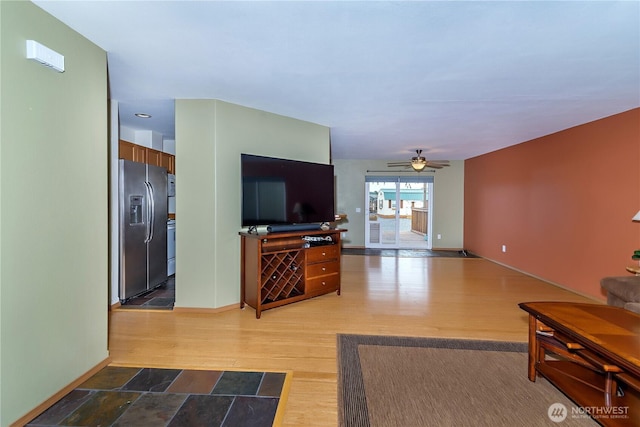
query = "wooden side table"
{"x": 598, "y": 364}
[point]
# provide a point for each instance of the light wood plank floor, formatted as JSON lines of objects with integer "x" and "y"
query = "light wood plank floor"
{"x": 425, "y": 297}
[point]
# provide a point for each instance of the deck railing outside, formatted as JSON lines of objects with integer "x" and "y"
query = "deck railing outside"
{"x": 419, "y": 220}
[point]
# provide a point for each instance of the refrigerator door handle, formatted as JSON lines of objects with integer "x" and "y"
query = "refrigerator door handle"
{"x": 148, "y": 218}
{"x": 152, "y": 212}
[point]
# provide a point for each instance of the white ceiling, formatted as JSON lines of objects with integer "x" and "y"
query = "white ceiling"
{"x": 455, "y": 78}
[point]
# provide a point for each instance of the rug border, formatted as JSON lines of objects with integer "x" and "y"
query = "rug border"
{"x": 349, "y": 409}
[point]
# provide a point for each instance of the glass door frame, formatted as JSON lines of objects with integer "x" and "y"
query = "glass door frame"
{"x": 377, "y": 233}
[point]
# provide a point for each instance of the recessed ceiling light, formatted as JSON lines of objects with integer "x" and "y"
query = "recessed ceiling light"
{"x": 143, "y": 115}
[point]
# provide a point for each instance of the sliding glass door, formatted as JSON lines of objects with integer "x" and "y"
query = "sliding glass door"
{"x": 398, "y": 212}
{"x": 382, "y": 223}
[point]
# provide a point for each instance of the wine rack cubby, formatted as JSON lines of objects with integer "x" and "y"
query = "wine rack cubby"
{"x": 282, "y": 276}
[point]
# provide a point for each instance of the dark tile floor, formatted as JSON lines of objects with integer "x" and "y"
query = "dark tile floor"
{"x": 152, "y": 397}
{"x": 161, "y": 298}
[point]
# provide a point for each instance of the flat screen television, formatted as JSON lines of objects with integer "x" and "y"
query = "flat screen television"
{"x": 285, "y": 192}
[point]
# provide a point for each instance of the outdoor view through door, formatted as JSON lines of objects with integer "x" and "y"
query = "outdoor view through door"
{"x": 399, "y": 212}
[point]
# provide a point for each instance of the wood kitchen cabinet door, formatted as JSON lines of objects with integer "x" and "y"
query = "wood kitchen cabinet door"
{"x": 133, "y": 152}
{"x": 168, "y": 161}
{"x": 154, "y": 157}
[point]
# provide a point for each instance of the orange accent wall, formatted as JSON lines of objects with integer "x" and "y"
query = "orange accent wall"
{"x": 562, "y": 204}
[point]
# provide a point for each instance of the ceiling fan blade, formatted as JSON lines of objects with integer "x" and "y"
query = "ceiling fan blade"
{"x": 437, "y": 165}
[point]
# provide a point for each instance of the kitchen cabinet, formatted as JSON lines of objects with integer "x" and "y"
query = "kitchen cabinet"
{"x": 133, "y": 152}
{"x": 154, "y": 157}
{"x": 137, "y": 153}
{"x": 168, "y": 161}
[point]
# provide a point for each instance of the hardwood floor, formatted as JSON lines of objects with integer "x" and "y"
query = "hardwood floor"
{"x": 426, "y": 297}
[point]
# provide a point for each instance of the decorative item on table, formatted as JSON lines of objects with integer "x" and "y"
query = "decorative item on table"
{"x": 635, "y": 269}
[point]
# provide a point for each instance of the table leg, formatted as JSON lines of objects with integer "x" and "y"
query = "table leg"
{"x": 534, "y": 347}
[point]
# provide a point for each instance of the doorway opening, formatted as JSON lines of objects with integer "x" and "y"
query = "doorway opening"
{"x": 399, "y": 212}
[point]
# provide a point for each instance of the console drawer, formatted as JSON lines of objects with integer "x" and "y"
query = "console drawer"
{"x": 322, "y": 269}
{"x": 322, "y": 284}
{"x": 322, "y": 253}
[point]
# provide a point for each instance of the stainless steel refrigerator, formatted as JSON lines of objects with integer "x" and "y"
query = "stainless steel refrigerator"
{"x": 143, "y": 227}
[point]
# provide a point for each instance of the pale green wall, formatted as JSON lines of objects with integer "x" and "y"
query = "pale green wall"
{"x": 1, "y": 98}
{"x": 210, "y": 136}
{"x": 448, "y": 207}
{"x": 448, "y": 200}
{"x": 53, "y": 210}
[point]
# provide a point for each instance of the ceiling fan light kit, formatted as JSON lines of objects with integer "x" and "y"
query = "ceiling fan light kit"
{"x": 419, "y": 163}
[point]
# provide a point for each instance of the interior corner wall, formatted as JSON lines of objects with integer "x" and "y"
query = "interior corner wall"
{"x": 53, "y": 210}
{"x": 210, "y": 136}
{"x": 448, "y": 200}
{"x": 562, "y": 204}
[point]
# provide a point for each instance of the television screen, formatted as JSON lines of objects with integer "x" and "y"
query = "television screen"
{"x": 280, "y": 191}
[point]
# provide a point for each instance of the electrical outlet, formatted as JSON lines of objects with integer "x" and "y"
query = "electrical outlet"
{"x": 439, "y": 236}
{"x": 504, "y": 248}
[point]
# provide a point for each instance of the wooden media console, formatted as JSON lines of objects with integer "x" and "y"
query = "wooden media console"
{"x": 282, "y": 268}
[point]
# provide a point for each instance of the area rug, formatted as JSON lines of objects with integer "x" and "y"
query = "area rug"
{"x": 120, "y": 396}
{"x": 403, "y": 381}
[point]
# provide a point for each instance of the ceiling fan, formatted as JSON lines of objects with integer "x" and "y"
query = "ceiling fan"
{"x": 418, "y": 163}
